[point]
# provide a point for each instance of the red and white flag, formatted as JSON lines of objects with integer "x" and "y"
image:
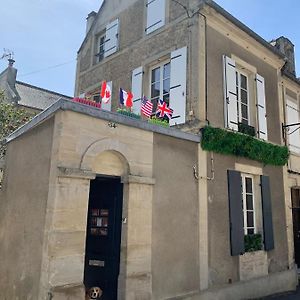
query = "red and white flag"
{"x": 105, "y": 92}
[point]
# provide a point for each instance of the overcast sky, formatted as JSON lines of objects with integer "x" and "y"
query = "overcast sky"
{"x": 46, "y": 33}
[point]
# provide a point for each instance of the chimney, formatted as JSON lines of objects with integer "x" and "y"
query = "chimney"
{"x": 285, "y": 46}
{"x": 11, "y": 73}
{"x": 90, "y": 20}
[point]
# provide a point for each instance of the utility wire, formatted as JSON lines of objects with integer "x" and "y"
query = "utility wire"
{"x": 47, "y": 68}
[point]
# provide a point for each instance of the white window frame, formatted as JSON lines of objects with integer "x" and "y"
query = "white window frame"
{"x": 239, "y": 99}
{"x": 101, "y": 36}
{"x": 161, "y": 66}
{"x": 245, "y": 210}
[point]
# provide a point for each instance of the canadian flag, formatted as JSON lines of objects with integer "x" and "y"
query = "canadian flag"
{"x": 105, "y": 92}
{"x": 126, "y": 98}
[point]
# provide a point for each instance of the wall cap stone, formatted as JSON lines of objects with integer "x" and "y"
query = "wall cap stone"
{"x": 112, "y": 117}
{"x": 75, "y": 173}
{"x": 138, "y": 179}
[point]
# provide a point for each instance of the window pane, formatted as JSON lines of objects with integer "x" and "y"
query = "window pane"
{"x": 243, "y": 82}
{"x": 166, "y": 98}
{"x": 96, "y": 98}
{"x": 155, "y": 90}
{"x": 244, "y": 96}
{"x": 155, "y": 76}
{"x": 250, "y": 231}
{"x": 166, "y": 85}
{"x": 250, "y": 221}
{"x": 154, "y": 102}
{"x": 249, "y": 200}
{"x": 167, "y": 70}
{"x": 244, "y": 111}
{"x": 248, "y": 185}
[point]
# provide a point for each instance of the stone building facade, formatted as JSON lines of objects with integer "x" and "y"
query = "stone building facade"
{"x": 183, "y": 213}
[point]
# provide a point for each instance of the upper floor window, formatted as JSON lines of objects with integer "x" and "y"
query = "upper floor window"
{"x": 160, "y": 84}
{"x": 101, "y": 44}
{"x": 156, "y": 10}
{"x": 166, "y": 81}
{"x": 107, "y": 42}
{"x": 244, "y": 99}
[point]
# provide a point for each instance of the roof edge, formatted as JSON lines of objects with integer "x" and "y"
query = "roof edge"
{"x": 42, "y": 89}
{"x": 63, "y": 104}
{"x": 243, "y": 27}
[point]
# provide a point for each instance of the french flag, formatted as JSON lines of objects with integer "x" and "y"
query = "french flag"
{"x": 126, "y": 98}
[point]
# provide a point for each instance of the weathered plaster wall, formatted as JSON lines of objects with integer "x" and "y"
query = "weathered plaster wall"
{"x": 22, "y": 212}
{"x": 175, "y": 248}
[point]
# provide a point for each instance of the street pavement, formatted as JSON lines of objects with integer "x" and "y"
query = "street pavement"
{"x": 287, "y": 296}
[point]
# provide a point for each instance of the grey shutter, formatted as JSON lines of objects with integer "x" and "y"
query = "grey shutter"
{"x": 261, "y": 107}
{"x": 107, "y": 106}
{"x": 178, "y": 85}
{"x": 267, "y": 213}
{"x": 155, "y": 14}
{"x": 230, "y": 96}
{"x": 236, "y": 212}
{"x": 111, "y": 38}
{"x": 136, "y": 88}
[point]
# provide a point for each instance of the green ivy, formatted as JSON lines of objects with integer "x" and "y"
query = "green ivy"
{"x": 233, "y": 143}
{"x": 159, "y": 122}
{"x": 11, "y": 118}
{"x": 128, "y": 113}
{"x": 253, "y": 242}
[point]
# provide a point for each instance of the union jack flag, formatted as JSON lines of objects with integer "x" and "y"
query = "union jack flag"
{"x": 146, "y": 107}
{"x": 163, "y": 110}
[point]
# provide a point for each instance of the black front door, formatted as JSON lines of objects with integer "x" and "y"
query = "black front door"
{"x": 102, "y": 255}
{"x": 296, "y": 223}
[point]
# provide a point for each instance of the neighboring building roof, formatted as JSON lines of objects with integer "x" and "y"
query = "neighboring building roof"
{"x": 99, "y": 114}
{"x": 36, "y": 97}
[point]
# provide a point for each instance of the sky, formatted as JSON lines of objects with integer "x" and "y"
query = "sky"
{"x": 45, "y": 35}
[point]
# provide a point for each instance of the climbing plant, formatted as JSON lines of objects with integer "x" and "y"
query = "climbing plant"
{"x": 233, "y": 143}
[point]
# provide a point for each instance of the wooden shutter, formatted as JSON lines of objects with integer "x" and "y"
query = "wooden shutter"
{"x": 292, "y": 117}
{"x": 155, "y": 14}
{"x": 261, "y": 107}
{"x": 236, "y": 212}
{"x": 107, "y": 106}
{"x": 111, "y": 38}
{"x": 178, "y": 85}
{"x": 230, "y": 96}
{"x": 267, "y": 213}
{"x": 136, "y": 88}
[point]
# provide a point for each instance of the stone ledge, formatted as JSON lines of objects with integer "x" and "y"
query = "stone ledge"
{"x": 138, "y": 179}
{"x": 75, "y": 173}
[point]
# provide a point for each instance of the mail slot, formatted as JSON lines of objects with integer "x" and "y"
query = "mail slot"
{"x": 96, "y": 263}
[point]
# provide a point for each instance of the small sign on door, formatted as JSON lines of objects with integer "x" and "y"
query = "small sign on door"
{"x": 96, "y": 263}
